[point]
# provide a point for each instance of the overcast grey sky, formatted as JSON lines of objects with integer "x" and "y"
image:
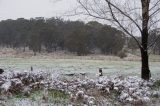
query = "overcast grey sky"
{"x": 12, "y": 9}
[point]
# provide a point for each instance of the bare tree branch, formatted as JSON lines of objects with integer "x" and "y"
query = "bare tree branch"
{"x": 153, "y": 42}
{"x": 154, "y": 5}
{"x": 122, "y": 25}
{"x": 155, "y": 12}
{"x": 90, "y": 14}
{"x": 125, "y": 14}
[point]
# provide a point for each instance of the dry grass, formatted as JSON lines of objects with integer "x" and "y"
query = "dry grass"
{"x": 18, "y": 53}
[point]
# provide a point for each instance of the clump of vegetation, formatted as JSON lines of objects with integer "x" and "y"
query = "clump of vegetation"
{"x": 37, "y": 93}
{"x": 156, "y": 84}
{"x": 58, "y": 97}
{"x": 122, "y": 54}
{"x": 51, "y": 96}
{"x": 20, "y": 95}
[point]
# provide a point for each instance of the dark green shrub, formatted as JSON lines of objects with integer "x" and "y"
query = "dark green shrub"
{"x": 122, "y": 54}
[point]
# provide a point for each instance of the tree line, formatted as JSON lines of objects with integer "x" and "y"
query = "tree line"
{"x": 54, "y": 34}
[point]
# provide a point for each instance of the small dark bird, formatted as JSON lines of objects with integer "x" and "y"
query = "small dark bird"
{"x": 1, "y": 71}
{"x": 100, "y": 72}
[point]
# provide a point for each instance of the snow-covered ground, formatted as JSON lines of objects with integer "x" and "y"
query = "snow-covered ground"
{"x": 89, "y": 66}
{"x": 82, "y": 90}
{"x": 121, "y": 83}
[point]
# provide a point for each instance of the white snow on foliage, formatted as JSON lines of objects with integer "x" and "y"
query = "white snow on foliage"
{"x": 130, "y": 89}
{"x": 5, "y": 87}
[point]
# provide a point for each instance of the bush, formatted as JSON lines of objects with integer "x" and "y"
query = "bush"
{"x": 156, "y": 84}
{"x": 122, "y": 54}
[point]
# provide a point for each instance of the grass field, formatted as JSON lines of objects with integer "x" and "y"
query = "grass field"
{"x": 86, "y": 64}
{"x": 69, "y": 64}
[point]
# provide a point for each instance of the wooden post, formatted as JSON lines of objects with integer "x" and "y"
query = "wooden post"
{"x": 31, "y": 68}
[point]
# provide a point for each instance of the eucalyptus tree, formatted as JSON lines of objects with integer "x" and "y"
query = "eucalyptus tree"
{"x": 134, "y": 17}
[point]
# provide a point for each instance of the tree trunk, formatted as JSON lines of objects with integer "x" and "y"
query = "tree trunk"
{"x": 145, "y": 72}
{"x": 24, "y": 48}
